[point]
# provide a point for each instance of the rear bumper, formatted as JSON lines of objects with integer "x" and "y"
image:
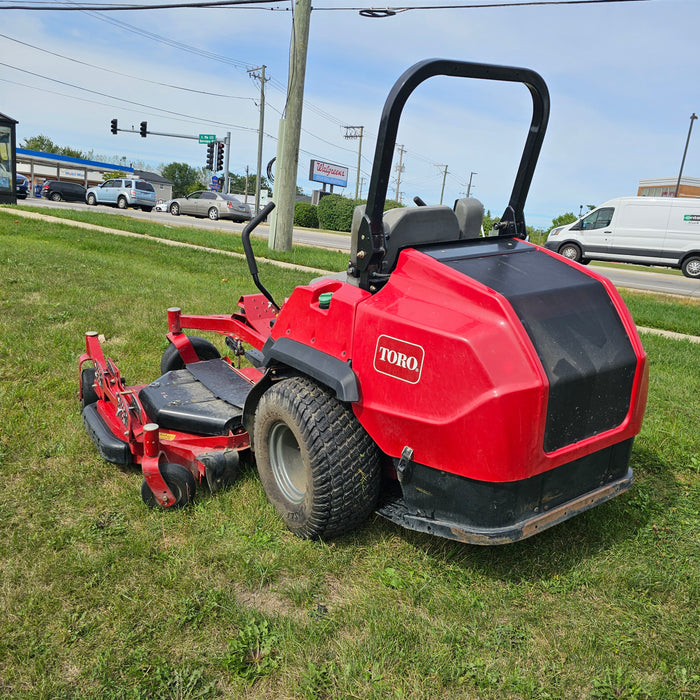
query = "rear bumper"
{"x": 489, "y": 513}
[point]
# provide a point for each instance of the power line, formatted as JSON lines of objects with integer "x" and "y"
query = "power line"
{"x": 121, "y": 99}
{"x": 125, "y": 75}
{"x": 245, "y": 4}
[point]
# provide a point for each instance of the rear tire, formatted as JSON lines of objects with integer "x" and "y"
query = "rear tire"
{"x": 179, "y": 480}
{"x": 56, "y": 197}
{"x": 171, "y": 360}
{"x": 691, "y": 267}
{"x": 319, "y": 467}
{"x": 91, "y": 199}
{"x": 175, "y": 209}
{"x": 571, "y": 252}
{"x": 122, "y": 203}
{"x": 213, "y": 213}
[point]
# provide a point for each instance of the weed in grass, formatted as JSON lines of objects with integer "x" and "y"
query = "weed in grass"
{"x": 252, "y": 653}
{"x": 617, "y": 684}
{"x": 318, "y": 681}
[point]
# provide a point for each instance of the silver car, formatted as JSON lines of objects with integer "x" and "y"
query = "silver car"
{"x": 129, "y": 192}
{"x": 211, "y": 204}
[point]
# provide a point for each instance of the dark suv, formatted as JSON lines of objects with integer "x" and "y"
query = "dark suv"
{"x": 61, "y": 191}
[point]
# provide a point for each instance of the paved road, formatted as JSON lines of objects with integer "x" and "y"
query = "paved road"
{"x": 646, "y": 280}
{"x": 651, "y": 281}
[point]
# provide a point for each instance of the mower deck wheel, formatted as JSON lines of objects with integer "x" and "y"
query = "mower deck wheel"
{"x": 319, "y": 468}
{"x": 179, "y": 480}
{"x": 87, "y": 386}
{"x": 171, "y": 359}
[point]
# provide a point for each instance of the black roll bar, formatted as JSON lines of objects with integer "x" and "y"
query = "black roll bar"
{"x": 371, "y": 244}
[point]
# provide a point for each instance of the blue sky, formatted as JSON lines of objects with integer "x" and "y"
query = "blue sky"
{"x": 623, "y": 82}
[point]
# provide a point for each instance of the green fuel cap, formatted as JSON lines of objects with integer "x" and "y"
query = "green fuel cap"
{"x": 324, "y": 300}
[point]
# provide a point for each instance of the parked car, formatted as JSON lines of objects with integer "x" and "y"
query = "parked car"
{"x": 163, "y": 205}
{"x": 212, "y": 204}
{"x": 21, "y": 186}
{"x": 62, "y": 191}
{"x": 123, "y": 193}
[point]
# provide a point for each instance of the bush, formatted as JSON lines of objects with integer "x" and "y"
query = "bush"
{"x": 335, "y": 212}
{"x": 305, "y": 214}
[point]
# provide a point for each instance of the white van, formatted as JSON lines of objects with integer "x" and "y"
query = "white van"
{"x": 645, "y": 230}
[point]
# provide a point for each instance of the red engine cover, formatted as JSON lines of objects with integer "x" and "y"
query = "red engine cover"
{"x": 446, "y": 367}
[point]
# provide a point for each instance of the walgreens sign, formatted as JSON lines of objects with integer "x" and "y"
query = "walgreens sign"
{"x": 328, "y": 173}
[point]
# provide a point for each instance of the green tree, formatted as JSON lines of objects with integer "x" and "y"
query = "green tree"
{"x": 238, "y": 184}
{"x": 46, "y": 145}
{"x": 184, "y": 177}
{"x": 563, "y": 219}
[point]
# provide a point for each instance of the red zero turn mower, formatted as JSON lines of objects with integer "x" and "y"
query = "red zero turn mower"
{"x": 477, "y": 388}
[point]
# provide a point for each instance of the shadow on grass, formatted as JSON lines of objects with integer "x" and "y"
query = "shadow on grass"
{"x": 558, "y": 550}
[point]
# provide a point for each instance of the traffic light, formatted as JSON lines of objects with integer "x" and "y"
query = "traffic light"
{"x": 144, "y": 129}
{"x": 219, "y": 157}
{"x": 210, "y": 155}
{"x": 114, "y": 126}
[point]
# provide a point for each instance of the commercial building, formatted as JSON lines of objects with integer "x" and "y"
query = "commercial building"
{"x": 666, "y": 187}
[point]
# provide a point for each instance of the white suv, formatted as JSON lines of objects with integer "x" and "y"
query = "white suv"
{"x": 127, "y": 192}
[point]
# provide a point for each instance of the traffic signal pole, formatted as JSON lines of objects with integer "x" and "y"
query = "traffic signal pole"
{"x": 211, "y": 146}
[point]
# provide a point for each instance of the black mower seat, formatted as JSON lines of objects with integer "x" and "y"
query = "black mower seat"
{"x": 205, "y": 398}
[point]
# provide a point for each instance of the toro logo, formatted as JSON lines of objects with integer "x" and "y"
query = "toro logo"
{"x": 399, "y": 359}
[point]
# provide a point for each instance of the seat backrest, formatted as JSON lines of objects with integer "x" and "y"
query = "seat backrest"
{"x": 411, "y": 226}
{"x": 357, "y": 215}
{"x": 470, "y": 216}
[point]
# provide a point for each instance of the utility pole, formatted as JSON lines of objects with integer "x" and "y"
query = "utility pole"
{"x": 693, "y": 117}
{"x": 262, "y": 80}
{"x": 469, "y": 186}
{"x": 399, "y": 169}
{"x": 356, "y": 132}
{"x": 282, "y": 218}
{"x": 444, "y": 176}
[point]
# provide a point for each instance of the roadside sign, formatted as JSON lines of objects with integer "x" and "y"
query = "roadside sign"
{"x": 214, "y": 183}
{"x": 207, "y": 138}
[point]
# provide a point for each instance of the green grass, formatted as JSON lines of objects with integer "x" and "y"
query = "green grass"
{"x": 178, "y": 230}
{"x": 102, "y": 598}
{"x": 665, "y": 312}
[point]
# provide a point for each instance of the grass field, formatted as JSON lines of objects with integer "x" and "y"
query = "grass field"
{"x": 101, "y": 597}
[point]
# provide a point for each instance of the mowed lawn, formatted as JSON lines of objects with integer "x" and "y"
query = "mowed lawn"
{"x": 101, "y": 597}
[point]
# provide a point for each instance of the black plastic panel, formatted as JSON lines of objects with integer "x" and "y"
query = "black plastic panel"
{"x": 468, "y": 503}
{"x": 574, "y": 327}
{"x": 179, "y": 401}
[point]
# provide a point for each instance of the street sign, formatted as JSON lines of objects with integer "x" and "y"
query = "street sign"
{"x": 214, "y": 183}
{"x": 207, "y": 138}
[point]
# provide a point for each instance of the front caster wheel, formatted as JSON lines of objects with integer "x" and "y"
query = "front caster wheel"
{"x": 179, "y": 480}
{"x": 319, "y": 467}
